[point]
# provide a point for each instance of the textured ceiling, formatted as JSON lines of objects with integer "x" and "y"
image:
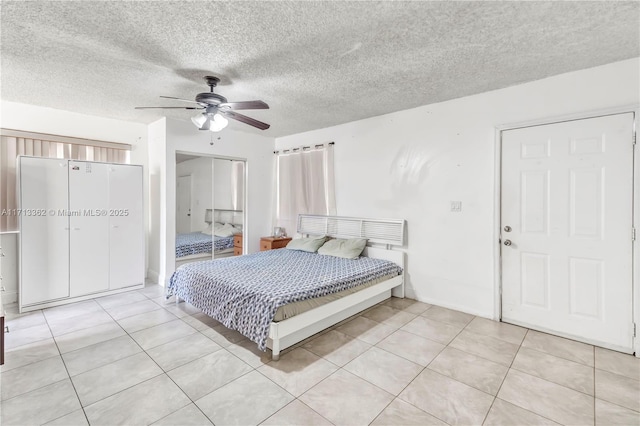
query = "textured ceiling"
{"x": 316, "y": 64}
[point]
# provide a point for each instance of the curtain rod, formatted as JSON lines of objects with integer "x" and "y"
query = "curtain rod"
{"x": 302, "y": 148}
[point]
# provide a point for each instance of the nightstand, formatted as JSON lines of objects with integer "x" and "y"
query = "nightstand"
{"x": 237, "y": 245}
{"x": 271, "y": 243}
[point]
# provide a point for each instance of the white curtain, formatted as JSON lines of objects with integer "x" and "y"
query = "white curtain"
{"x": 12, "y": 146}
{"x": 305, "y": 184}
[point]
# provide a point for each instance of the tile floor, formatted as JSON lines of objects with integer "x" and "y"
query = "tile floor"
{"x": 136, "y": 359}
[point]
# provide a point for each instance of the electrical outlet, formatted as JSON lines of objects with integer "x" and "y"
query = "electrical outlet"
{"x": 456, "y": 206}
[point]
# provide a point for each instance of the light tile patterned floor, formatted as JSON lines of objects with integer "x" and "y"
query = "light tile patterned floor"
{"x": 136, "y": 359}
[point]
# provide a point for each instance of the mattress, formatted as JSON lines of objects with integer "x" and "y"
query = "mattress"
{"x": 244, "y": 292}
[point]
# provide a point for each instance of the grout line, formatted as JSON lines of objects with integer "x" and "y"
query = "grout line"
{"x": 173, "y": 381}
{"x": 505, "y": 378}
{"x": 73, "y": 385}
{"x": 594, "y": 383}
{"x": 303, "y": 403}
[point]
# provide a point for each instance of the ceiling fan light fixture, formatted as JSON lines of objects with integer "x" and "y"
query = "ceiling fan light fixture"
{"x": 198, "y": 120}
{"x": 218, "y": 123}
{"x": 207, "y": 123}
{"x": 217, "y": 109}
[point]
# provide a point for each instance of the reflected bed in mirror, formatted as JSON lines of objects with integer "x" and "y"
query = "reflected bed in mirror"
{"x": 209, "y": 208}
{"x": 216, "y": 238}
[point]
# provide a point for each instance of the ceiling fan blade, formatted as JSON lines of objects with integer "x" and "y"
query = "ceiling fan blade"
{"x": 246, "y": 120}
{"x": 180, "y": 99}
{"x": 167, "y": 108}
{"x": 246, "y": 105}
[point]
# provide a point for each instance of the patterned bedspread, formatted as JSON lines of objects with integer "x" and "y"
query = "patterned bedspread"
{"x": 244, "y": 292}
{"x": 197, "y": 242}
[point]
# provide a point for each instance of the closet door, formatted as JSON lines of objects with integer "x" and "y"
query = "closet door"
{"x": 89, "y": 227}
{"x": 44, "y": 230}
{"x": 126, "y": 226}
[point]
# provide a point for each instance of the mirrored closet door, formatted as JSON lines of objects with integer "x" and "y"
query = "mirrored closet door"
{"x": 210, "y": 216}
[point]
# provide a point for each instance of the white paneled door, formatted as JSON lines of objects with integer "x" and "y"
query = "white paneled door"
{"x": 566, "y": 229}
{"x": 183, "y": 205}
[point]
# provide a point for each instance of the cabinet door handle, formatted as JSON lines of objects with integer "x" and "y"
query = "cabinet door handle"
{"x": 6, "y": 328}
{"x": 1, "y": 254}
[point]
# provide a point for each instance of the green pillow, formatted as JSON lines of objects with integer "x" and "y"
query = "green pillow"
{"x": 306, "y": 244}
{"x": 349, "y": 249}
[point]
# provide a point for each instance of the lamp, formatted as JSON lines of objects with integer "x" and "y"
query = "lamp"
{"x": 218, "y": 123}
{"x": 208, "y": 216}
{"x": 210, "y": 121}
{"x": 199, "y": 120}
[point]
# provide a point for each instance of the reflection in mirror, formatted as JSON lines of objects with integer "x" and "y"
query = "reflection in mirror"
{"x": 209, "y": 207}
{"x": 228, "y": 212}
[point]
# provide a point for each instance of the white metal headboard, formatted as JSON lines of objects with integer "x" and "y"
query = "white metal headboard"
{"x": 381, "y": 231}
{"x": 234, "y": 217}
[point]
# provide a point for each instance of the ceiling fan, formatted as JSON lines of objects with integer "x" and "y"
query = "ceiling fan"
{"x": 215, "y": 108}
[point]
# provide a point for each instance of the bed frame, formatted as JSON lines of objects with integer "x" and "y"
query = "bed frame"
{"x": 382, "y": 236}
{"x": 381, "y": 232}
{"x": 234, "y": 217}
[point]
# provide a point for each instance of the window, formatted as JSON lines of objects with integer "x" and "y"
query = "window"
{"x": 305, "y": 184}
{"x": 14, "y": 143}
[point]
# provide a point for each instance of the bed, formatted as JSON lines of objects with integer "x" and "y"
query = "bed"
{"x": 197, "y": 246}
{"x": 195, "y": 243}
{"x": 277, "y": 298}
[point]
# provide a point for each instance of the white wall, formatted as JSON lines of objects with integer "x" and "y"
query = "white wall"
{"x": 19, "y": 116}
{"x": 157, "y": 199}
{"x": 182, "y": 136}
{"x": 412, "y": 164}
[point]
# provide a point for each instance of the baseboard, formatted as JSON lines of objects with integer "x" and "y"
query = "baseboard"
{"x": 153, "y": 276}
{"x": 10, "y": 297}
{"x": 457, "y": 308}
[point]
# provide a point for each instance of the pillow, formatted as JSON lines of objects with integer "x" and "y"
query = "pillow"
{"x": 349, "y": 249}
{"x": 310, "y": 245}
{"x": 233, "y": 229}
{"x": 226, "y": 230}
{"x": 208, "y": 230}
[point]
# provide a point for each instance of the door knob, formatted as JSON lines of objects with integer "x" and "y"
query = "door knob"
{"x": 507, "y": 242}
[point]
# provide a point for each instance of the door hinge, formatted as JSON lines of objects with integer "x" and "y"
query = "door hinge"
{"x": 633, "y": 234}
{"x": 634, "y": 138}
{"x": 634, "y": 330}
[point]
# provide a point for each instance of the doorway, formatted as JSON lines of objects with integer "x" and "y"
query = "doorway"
{"x": 183, "y": 204}
{"x": 567, "y": 229}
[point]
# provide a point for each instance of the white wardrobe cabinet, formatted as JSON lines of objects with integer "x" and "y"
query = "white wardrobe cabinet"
{"x": 81, "y": 230}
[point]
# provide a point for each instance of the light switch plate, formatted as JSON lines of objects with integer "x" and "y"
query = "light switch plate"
{"x": 456, "y": 206}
